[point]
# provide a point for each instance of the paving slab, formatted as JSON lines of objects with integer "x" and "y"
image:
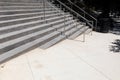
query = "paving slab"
{"x": 67, "y": 60}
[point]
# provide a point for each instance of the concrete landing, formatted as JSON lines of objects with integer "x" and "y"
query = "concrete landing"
{"x": 67, "y": 60}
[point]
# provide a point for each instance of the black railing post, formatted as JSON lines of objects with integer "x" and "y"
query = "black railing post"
{"x": 44, "y": 8}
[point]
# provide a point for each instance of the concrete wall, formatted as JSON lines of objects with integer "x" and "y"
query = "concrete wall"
{"x": 21, "y": 0}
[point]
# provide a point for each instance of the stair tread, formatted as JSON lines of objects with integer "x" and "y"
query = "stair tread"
{"x": 3, "y": 36}
{"x": 52, "y": 42}
{"x": 12, "y": 15}
{"x": 24, "y": 10}
{"x": 30, "y": 19}
{"x": 38, "y": 16}
{"x": 62, "y": 24}
{"x": 21, "y": 31}
{"x": 22, "y": 48}
{"x": 79, "y": 32}
{"x": 23, "y": 27}
{"x": 19, "y": 6}
{"x": 72, "y": 30}
{"x": 16, "y": 25}
{"x": 67, "y": 27}
{"x": 25, "y": 24}
{"x": 11, "y": 42}
{"x": 28, "y": 3}
{"x": 88, "y": 31}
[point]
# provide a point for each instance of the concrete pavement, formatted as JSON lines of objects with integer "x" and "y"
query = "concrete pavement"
{"x": 67, "y": 60}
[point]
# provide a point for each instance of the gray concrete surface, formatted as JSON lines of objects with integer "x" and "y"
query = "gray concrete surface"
{"x": 67, "y": 60}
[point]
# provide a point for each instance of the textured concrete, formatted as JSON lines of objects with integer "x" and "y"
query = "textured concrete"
{"x": 21, "y": 0}
{"x": 68, "y": 60}
{"x": 20, "y": 31}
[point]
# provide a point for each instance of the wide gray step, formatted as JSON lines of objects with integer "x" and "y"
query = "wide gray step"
{"x": 29, "y": 19}
{"x": 18, "y": 16}
{"x": 23, "y": 32}
{"x": 21, "y": 11}
{"x": 64, "y": 24}
{"x": 73, "y": 30}
{"x": 29, "y": 46}
{"x": 20, "y": 4}
{"x": 79, "y": 32}
{"x": 22, "y": 14}
{"x": 6, "y": 18}
{"x": 52, "y": 42}
{"x": 23, "y": 7}
{"x": 4, "y": 30}
{"x": 20, "y": 41}
{"x": 9, "y": 45}
{"x": 67, "y": 28}
{"x": 89, "y": 30}
{"x": 17, "y": 28}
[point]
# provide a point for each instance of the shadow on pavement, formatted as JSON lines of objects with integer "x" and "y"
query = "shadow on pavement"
{"x": 115, "y": 47}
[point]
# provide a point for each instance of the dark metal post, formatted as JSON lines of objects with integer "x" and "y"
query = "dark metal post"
{"x": 84, "y": 37}
{"x": 44, "y": 8}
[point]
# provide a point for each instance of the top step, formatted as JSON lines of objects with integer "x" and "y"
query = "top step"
{"x": 20, "y": 3}
{"x": 24, "y": 1}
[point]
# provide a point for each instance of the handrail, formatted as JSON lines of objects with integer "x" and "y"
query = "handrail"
{"x": 84, "y": 12}
{"x": 87, "y": 21}
{"x": 58, "y": 11}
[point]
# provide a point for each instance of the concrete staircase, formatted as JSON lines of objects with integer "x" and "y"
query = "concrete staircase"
{"x": 25, "y": 26}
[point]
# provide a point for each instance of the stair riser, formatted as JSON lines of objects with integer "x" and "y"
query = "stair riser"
{"x": 18, "y": 3}
{"x": 28, "y": 20}
{"x": 63, "y": 26}
{"x": 8, "y": 48}
{"x": 24, "y": 16}
{"x": 18, "y": 22}
{"x": 22, "y": 34}
{"x": 55, "y": 20}
{"x": 5, "y": 4}
{"x": 59, "y": 22}
{"x": 78, "y": 33}
{"x": 23, "y": 1}
{"x": 73, "y": 32}
{"x": 15, "y": 8}
{"x": 23, "y": 11}
{"x": 66, "y": 27}
{"x": 23, "y": 28}
{"x": 48, "y": 46}
{"x": 25, "y": 33}
{"x": 20, "y": 28}
{"x": 27, "y": 49}
{"x": 26, "y": 26}
{"x": 70, "y": 28}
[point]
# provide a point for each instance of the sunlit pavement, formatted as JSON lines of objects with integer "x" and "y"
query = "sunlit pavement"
{"x": 68, "y": 60}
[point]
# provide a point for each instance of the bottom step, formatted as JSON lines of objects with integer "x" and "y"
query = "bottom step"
{"x": 88, "y": 31}
{"x": 79, "y": 32}
{"x": 52, "y": 42}
{"x": 31, "y": 45}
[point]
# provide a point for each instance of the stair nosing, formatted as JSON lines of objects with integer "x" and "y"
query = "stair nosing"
{"x": 73, "y": 29}
{"x": 24, "y": 10}
{"x": 25, "y": 47}
{"x": 78, "y": 32}
{"x": 12, "y": 33}
{"x": 25, "y": 14}
{"x": 51, "y": 42}
{"x": 20, "y": 39}
{"x": 39, "y": 16}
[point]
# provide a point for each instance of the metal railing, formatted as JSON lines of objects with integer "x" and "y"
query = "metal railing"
{"x": 84, "y": 12}
{"x": 58, "y": 11}
{"x": 63, "y": 6}
{"x": 75, "y": 13}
